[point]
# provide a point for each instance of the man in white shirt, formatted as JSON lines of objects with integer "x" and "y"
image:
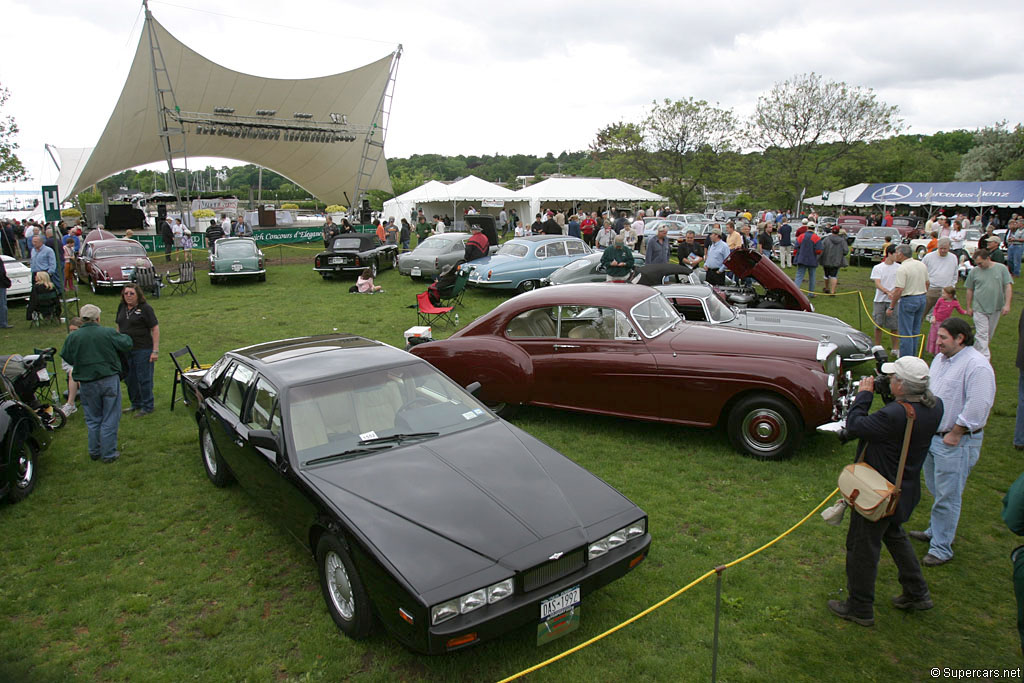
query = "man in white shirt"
{"x": 225, "y": 225}
{"x": 178, "y": 230}
{"x": 438, "y": 226}
{"x": 638, "y": 230}
{"x": 884, "y": 277}
{"x": 909, "y": 295}
{"x": 942, "y": 272}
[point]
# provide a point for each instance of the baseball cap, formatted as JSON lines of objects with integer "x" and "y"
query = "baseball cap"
{"x": 804, "y": 221}
{"x": 90, "y": 313}
{"x": 909, "y": 368}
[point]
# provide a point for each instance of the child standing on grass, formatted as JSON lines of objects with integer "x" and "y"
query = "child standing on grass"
{"x": 944, "y": 308}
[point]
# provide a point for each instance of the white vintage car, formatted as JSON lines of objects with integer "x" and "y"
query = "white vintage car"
{"x": 920, "y": 245}
{"x": 21, "y": 278}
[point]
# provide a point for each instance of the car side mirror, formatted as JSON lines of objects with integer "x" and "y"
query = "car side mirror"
{"x": 265, "y": 439}
{"x": 473, "y": 387}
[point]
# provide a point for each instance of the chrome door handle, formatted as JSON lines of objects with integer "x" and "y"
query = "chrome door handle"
{"x": 239, "y": 442}
{"x": 567, "y": 346}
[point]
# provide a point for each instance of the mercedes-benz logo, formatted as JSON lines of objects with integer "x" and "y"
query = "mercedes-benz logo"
{"x": 892, "y": 193}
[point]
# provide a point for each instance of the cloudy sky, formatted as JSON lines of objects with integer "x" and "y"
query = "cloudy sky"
{"x": 529, "y": 76}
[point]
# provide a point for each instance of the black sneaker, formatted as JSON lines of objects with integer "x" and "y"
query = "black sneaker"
{"x": 842, "y": 610}
{"x": 904, "y": 601}
{"x": 920, "y": 536}
{"x": 94, "y": 456}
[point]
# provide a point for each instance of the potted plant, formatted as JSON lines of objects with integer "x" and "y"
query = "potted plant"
{"x": 70, "y": 217}
{"x": 335, "y": 211}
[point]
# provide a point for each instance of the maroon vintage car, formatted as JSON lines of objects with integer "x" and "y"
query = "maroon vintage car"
{"x": 110, "y": 263}
{"x": 623, "y": 350}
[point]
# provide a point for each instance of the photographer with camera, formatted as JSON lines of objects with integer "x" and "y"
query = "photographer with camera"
{"x": 881, "y": 437}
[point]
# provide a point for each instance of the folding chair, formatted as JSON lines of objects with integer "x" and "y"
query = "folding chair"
{"x": 454, "y": 297}
{"x": 178, "y": 372}
{"x": 149, "y": 281}
{"x": 185, "y": 281}
{"x": 45, "y": 308}
{"x": 427, "y": 311}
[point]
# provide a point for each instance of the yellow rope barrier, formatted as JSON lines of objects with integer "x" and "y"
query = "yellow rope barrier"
{"x": 668, "y": 599}
{"x": 864, "y": 305}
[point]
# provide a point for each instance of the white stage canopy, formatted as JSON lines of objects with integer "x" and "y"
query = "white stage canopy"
{"x": 435, "y": 197}
{"x": 325, "y": 168}
{"x": 589, "y": 191}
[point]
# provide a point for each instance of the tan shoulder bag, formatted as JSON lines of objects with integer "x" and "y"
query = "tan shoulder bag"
{"x": 867, "y": 491}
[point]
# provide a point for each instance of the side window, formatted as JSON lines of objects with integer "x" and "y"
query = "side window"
{"x": 235, "y": 386}
{"x": 587, "y": 322}
{"x": 264, "y": 407}
{"x": 542, "y": 251}
{"x": 540, "y": 322}
{"x": 575, "y": 248}
{"x": 623, "y": 328}
{"x": 556, "y": 249}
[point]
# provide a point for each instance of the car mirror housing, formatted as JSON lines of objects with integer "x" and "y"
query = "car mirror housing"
{"x": 473, "y": 387}
{"x": 265, "y": 439}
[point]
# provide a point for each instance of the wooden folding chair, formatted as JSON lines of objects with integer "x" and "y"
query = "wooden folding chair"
{"x": 185, "y": 281}
{"x": 179, "y": 372}
{"x": 427, "y": 311}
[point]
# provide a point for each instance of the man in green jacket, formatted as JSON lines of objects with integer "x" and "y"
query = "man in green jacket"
{"x": 617, "y": 260}
{"x": 422, "y": 229}
{"x": 93, "y": 352}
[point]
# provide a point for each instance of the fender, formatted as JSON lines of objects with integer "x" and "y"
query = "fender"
{"x": 472, "y": 359}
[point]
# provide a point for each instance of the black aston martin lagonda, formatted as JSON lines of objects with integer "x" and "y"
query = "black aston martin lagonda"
{"x": 422, "y": 509}
{"x": 353, "y": 252}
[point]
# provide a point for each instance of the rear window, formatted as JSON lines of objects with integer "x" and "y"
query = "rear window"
{"x": 510, "y": 249}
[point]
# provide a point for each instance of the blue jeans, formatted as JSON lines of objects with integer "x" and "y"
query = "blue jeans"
{"x": 909, "y": 316}
{"x": 800, "y": 270}
{"x": 945, "y": 474}
{"x": 101, "y": 401}
{"x": 3, "y": 307}
{"x": 140, "y": 380}
{"x": 1018, "y": 433}
{"x": 1013, "y": 256}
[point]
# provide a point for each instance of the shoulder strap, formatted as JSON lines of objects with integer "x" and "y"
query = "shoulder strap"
{"x": 911, "y": 415}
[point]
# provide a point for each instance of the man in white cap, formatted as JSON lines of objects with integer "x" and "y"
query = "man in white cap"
{"x": 881, "y": 437}
{"x": 93, "y": 352}
{"x": 964, "y": 380}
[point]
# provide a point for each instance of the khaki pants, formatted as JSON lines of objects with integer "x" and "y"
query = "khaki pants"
{"x": 984, "y": 328}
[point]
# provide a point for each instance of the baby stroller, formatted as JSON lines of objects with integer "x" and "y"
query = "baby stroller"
{"x": 36, "y": 384}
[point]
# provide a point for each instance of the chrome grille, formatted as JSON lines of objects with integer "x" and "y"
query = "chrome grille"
{"x": 552, "y": 571}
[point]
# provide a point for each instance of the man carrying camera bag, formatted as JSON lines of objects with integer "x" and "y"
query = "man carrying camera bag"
{"x": 881, "y": 437}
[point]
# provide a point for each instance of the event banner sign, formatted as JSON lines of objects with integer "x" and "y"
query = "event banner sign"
{"x": 263, "y": 237}
{"x": 963, "y": 194}
{"x": 219, "y": 205}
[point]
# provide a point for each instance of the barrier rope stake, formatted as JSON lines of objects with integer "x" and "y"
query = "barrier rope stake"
{"x": 718, "y": 610}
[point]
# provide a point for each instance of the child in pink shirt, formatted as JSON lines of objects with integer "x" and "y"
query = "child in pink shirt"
{"x": 944, "y": 308}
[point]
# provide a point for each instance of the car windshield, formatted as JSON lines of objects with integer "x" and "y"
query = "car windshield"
{"x": 347, "y": 243}
{"x": 434, "y": 244}
{"x": 356, "y": 414}
{"x": 236, "y": 249}
{"x": 868, "y": 233}
{"x": 512, "y": 249}
{"x": 120, "y": 250}
{"x": 655, "y": 315}
{"x": 718, "y": 310}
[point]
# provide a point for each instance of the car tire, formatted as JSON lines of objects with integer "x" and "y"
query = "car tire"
{"x": 22, "y": 465}
{"x": 506, "y": 411}
{"x": 262, "y": 278}
{"x": 526, "y": 286}
{"x": 764, "y": 427}
{"x": 343, "y": 590}
{"x": 921, "y": 251}
{"x": 216, "y": 469}
{"x": 326, "y": 276}
{"x": 373, "y": 269}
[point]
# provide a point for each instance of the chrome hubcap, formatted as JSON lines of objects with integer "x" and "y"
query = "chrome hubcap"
{"x": 338, "y": 586}
{"x": 208, "y": 452}
{"x": 764, "y": 429}
{"x": 25, "y": 470}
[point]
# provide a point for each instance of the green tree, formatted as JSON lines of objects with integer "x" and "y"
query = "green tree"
{"x": 995, "y": 148}
{"x": 812, "y": 123}
{"x": 11, "y": 168}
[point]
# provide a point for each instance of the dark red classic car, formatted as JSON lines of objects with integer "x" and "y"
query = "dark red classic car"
{"x": 107, "y": 263}
{"x": 623, "y": 350}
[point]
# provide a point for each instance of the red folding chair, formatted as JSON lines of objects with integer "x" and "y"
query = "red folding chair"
{"x": 427, "y": 311}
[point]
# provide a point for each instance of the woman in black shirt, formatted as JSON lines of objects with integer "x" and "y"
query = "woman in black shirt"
{"x": 137, "y": 319}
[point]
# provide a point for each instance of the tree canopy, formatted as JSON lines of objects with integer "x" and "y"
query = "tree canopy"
{"x": 11, "y": 168}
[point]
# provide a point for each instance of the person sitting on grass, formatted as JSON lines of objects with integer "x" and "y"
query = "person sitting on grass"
{"x": 364, "y": 284}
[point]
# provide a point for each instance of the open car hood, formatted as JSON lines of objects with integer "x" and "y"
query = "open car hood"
{"x": 748, "y": 263}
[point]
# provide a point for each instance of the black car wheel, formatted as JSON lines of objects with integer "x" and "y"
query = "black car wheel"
{"x": 373, "y": 269}
{"x": 506, "y": 411}
{"x": 526, "y": 286}
{"x": 394, "y": 260}
{"x": 343, "y": 590}
{"x": 262, "y": 277}
{"x": 764, "y": 427}
{"x": 214, "y": 465}
{"x": 21, "y": 465}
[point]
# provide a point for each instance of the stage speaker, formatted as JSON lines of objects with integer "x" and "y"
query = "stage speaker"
{"x": 364, "y": 213}
{"x": 161, "y": 213}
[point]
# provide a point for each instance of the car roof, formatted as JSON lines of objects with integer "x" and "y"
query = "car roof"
{"x": 614, "y": 294}
{"x": 96, "y": 244}
{"x": 541, "y": 238}
{"x": 301, "y": 360}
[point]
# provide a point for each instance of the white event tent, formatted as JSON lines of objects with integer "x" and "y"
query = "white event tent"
{"x": 587, "y": 193}
{"x": 844, "y": 197}
{"x": 437, "y": 198}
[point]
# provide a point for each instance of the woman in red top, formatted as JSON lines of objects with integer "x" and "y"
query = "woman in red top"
{"x": 588, "y": 227}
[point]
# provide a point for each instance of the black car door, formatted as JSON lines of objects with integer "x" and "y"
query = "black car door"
{"x": 225, "y": 410}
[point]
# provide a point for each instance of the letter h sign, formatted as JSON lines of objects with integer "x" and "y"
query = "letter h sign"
{"x": 51, "y": 203}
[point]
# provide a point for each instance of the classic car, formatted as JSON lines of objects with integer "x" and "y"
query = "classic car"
{"x": 920, "y": 244}
{"x": 704, "y": 303}
{"x": 774, "y": 288}
{"x": 851, "y": 225}
{"x": 586, "y": 269}
{"x": 353, "y": 252}
{"x": 107, "y": 263}
{"x": 421, "y": 508}
{"x": 910, "y": 227}
{"x": 21, "y": 278}
{"x": 236, "y": 257}
{"x": 676, "y": 229}
{"x": 596, "y": 348}
{"x": 869, "y": 242}
{"x": 24, "y": 437}
{"x": 521, "y": 263}
{"x": 436, "y": 252}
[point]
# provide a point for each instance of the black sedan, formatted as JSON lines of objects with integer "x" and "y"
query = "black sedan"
{"x": 24, "y": 437}
{"x": 422, "y": 509}
{"x": 354, "y": 252}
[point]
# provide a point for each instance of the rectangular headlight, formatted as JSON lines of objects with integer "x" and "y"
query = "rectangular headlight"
{"x": 499, "y": 591}
{"x": 636, "y": 529}
{"x": 472, "y": 601}
{"x": 444, "y": 611}
{"x": 617, "y": 538}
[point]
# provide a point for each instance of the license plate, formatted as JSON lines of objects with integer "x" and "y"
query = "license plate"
{"x": 559, "y": 615}
{"x": 127, "y": 272}
{"x": 416, "y": 272}
{"x": 236, "y": 267}
{"x": 43, "y": 375}
{"x": 335, "y": 260}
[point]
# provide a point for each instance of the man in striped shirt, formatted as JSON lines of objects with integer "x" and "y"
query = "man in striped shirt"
{"x": 964, "y": 380}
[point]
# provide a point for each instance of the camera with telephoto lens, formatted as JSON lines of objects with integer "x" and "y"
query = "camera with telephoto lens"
{"x": 882, "y": 381}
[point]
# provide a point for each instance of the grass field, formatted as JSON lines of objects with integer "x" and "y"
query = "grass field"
{"x": 142, "y": 570}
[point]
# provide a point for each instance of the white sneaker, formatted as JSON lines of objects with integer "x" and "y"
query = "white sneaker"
{"x": 68, "y": 408}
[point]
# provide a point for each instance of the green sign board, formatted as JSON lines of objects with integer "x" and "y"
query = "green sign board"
{"x": 51, "y": 203}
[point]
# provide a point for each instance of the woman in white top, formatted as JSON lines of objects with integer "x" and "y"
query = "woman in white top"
{"x": 629, "y": 236}
{"x": 956, "y": 239}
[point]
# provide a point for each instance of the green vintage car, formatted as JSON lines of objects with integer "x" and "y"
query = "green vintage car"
{"x": 235, "y": 257}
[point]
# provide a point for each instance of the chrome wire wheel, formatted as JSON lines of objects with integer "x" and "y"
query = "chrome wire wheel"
{"x": 339, "y": 587}
{"x": 209, "y": 453}
{"x": 26, "y": 469}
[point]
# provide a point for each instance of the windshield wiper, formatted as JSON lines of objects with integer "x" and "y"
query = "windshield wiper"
{"x": 348, "y": 453}
{"x": 400, "y": 438}
{"x": 381, "y": 443}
